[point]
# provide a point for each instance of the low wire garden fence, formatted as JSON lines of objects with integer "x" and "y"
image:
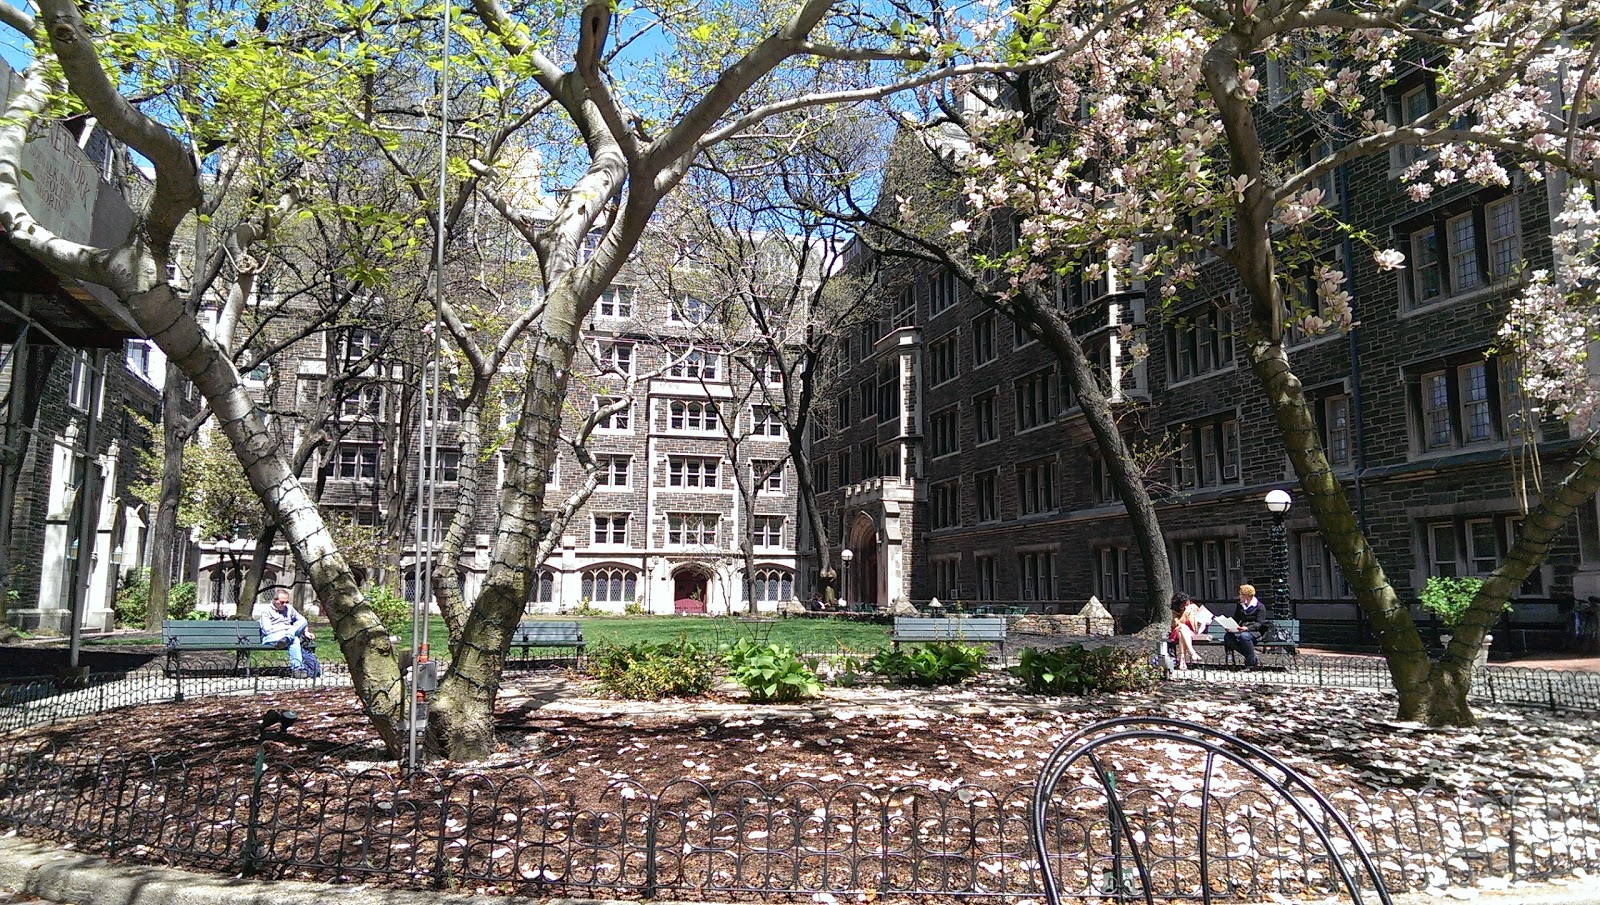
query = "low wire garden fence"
{"x": 507, "y": 830}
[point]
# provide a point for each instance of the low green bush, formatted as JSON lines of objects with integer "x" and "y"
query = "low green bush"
{"x": 133, "y": 599}
{"x": 1079, "y": 670}
{"x": 928, "y": 665}
{"x": 390, "y": 606}
{"x": 652, "y": 670}
{"x": 183, "y": 600}
{"x": 772, "y": 673}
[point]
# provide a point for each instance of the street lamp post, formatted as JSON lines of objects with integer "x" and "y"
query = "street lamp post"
{"x": 845, "y": 556}
{"x": 1278, "y": 502}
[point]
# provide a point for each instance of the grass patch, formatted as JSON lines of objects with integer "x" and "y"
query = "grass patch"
{"x": 809, "y": 635}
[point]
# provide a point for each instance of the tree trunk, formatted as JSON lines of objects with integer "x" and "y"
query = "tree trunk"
{"x": 1058, "y": 334}
{"x": 447, "y": 571}
{"x": 250, "y": 582}
{"x": 461, "y": 722}
{"x": 164, "y": 533}
{"x": 374, "y": 668}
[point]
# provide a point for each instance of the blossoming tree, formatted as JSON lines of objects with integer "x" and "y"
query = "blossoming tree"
{"x": 1163, "y": 152}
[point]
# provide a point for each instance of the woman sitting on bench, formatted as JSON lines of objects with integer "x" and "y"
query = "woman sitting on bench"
{"x": 1252, "y": 619}
{"x": 1186, "y": 626}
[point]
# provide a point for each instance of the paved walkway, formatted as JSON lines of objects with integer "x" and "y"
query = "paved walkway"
{"x": 33, "y": 872}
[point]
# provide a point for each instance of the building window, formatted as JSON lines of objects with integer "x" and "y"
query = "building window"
{"x": 543, "y": 591}
{"x": 889, "y": 391}
{"x": 1101, "y": 485}
{"x": 615, "y": 358}
{"x": 1036, "y": 573}
{"x": 615, "y": 301}
{"x": 844, "y": 409}
{"x": 986, "y": 487}
{"x": 766, "y": 475}
{"x": 869, "y": 397}
{"x": 695, "y": 364}
{"x": 1303, "y": 302}
{"x": 692, "y": 528}
{"x": 767, "y": 531}
{"x": 366, "y": 402}
{"x": 614, "y": 585}
{"x": 1319, "y": 574}
{"x": 1035, "y": 402}
{"x": 947, "y": 578}
{"x": 358, "y": 344}
{"x": 447, "y": 468}
{"x": 944, "y": 432}
{"x": 690, "y": 471}
{"x": 614, "y": 471}
{"x": 983, "y": 340}
{"x": 1332, "y": 412}
{"x": 985, "y": 418}
{"x": 1210, "y": 569}
{"x": 944, "y": 360}
{"x": 1111, "y": 573}
{"x": 821, "y": 471}
{"x": 351, "y": 463}
{"x": 1200, "y": 342}
{"x": 1413, "y": 104}
{"x": 946, "y": 504}
{"x": 1036, "y": 487}
{"x": 1461, "y": 250}
{"x": 945, "y": 291}
{"x": 692, "y": 416}
{"x": 764, "y": 422}
{"x": 905, "y": 306}
{"x": 1458, "y": 404}
{"x": 988, "y": 577}
{"x": 611, "y": 529}
{"x": 617, "y": 420}
{"x": 138, "y": 356}
{"x": 1207, "y": 454}
{"x": 690, "y": 309}
{"x": 773, "y": 586}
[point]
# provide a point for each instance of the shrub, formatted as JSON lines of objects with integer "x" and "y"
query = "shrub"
{"x": 930, "y": 664}
{"x": 390, "y": 606}
{"x": 633, "y": 608}
{"x": 1448, "y": 598}
{"x": 843, "y": 670}
{"x": 770, "y": 672}
{"x": 1078, "y": 670}
{"x": 133, "y": 599}
{"x": 182, "y": 600}
{"x": 651, "y": 670}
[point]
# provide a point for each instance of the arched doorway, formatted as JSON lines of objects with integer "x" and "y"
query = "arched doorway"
{"x": 861, "y": 577}
{"x": 690, "y": 587}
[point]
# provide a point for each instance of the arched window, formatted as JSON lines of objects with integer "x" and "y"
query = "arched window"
{"x": 610, "y": 585}
{"x": 773, "y": 585}
{"x": 543, "y": 592}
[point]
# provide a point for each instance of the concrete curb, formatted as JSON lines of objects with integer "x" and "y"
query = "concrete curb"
{"x": 45, "y": 871}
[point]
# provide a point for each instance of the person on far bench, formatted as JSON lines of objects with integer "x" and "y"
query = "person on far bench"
{"x": 284, "y": 625}
{"x": 1252, "y": 619}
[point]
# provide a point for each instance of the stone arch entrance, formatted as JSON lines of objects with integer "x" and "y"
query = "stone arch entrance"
{"x": 861, "y": 578}
{"x": 691, "y": 586}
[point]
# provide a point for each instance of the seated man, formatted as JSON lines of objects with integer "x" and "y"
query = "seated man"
{"x": 284, "y": 625}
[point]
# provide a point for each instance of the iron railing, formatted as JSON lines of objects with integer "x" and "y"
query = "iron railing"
{"x": 689, "y": 838}
{"x": 513, "y": 831}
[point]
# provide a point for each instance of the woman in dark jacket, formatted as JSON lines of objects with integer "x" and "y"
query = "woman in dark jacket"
{"x": 1252, "y": 619}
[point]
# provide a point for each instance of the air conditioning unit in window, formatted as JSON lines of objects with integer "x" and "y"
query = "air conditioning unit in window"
{"x": 1230, "y": 472}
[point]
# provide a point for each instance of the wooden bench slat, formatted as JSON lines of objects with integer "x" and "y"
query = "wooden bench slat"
{"x": 934, "y": 628}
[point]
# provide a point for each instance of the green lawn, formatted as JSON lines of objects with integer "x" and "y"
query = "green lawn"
{"x": 806, "y": 635}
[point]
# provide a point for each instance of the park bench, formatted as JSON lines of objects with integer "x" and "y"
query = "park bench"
{"x": 552, "y": 634}
{"x": 241, "y": 637}
{"x": 1286, "y": 637}
{"x": 965, "y": 629}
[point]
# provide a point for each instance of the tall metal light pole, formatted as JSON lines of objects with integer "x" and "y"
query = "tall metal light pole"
{"x": 1278, "y": 502}
{"x": 845, "y": 556}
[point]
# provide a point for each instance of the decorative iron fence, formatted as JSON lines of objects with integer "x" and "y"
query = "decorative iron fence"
{"x": 509, "y": 830}
{"x": 798, "y": 839}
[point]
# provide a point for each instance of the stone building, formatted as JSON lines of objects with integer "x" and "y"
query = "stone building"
{"x": 961, "y": 468}
{"x": 694, "y": 465}
{"x": 78, "y": 379}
